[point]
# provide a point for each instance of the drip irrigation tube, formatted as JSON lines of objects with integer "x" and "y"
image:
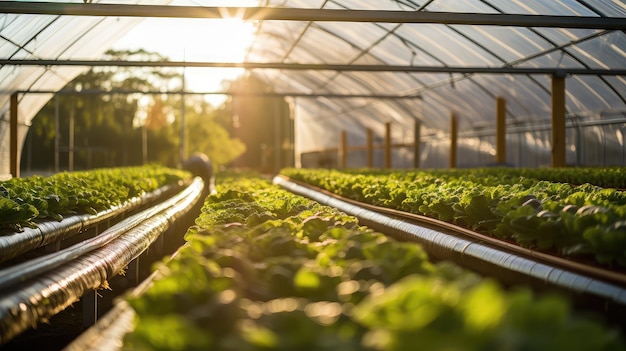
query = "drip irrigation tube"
{"x": 36, "y": 290}
{"x": 473, "y": 254}
{"x": 17, "y": 243}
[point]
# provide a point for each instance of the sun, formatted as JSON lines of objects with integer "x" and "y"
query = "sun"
{"x": 205, "y": 40}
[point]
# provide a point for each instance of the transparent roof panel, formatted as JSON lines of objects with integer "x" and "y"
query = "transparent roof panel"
{"x": 336, "y": 49}
{"x": 446, "y": 45}
{"x": 603, "y": 52}
{"x": 353, "y": 33}
{"x": 507, "y": 43}
{"x": 542, "y": 7}
{"x": 611, "y": 8}
{"x": 12, "y": 27}
{"x": 394, "y": 50}
{"x": 564, "y": 37}
{"x": 593, "y": 93}
{"x": 471, "y": 96}
{"x": 555, "y": 58}
{"x": 472, "y": 6}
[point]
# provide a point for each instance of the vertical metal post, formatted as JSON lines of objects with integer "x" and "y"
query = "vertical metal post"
{"x": 453, "y": 140}
{"x": 15, "y": 161}
{"x": 500, "y": 130}
{"x": 57, "y": 133}
{"x": 558, "y": 120}
{"x": 370, "y": 148}
{"x": 387, "y": 145}
{"x": 416, "y": 144}
{"x": 343, "y": 150}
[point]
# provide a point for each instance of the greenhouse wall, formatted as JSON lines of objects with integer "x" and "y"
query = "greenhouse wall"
{"x": 590, "y": 143}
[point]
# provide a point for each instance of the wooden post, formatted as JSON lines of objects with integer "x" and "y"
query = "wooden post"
{"x": 57, "y": 133}
{"x": 387, "y": 145}
{"x": 343, "y": 150}
{"x": 558, "y": 120}
{"x": 15, "y": 161}
{"x": 453, "y": 140}
{"x": 370, "y": 148}
{"x": 416, "y": 144}
{"x": 500, "y": 130}
{"x": 70, "y": 154}
{"x": 278, "y": 139}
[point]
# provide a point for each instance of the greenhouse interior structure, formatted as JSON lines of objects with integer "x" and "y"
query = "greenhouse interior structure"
{"x": 367, "y": 87}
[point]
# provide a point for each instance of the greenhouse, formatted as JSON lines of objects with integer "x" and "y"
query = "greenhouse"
{"x": 500, "y": 126}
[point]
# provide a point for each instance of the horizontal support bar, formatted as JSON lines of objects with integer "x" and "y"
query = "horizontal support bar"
{"x": 317, "y": 67}
{"x": 229, "y": 93}
{"x": 308, "y": 14}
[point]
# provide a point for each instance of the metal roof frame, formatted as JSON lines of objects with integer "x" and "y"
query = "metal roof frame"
{"x": 307, "y": 14}
{"x": 573, "y": 29}
{"x": 317, "y": 67}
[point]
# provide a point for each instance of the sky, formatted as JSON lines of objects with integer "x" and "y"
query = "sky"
{"x": 209, "y": 40}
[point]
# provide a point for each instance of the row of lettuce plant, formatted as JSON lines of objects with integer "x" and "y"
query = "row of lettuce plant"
{"x": 23, "y": 201}
{"x": 264, "y": 269}
{"x": 583, "y": 221}
{"x": 606, "y": 177}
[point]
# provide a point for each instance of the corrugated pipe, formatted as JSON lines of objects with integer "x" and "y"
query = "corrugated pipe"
{"x": 14, "y": 244}
{"x": 38, "y": 289}
{"x": 474, "y": 255}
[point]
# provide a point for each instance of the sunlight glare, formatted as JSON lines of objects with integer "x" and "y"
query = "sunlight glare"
{"x": 208, "y": 40}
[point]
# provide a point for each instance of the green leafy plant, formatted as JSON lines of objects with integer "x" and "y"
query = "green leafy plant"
{"x": 302, "y": 276}
{"x": 518, "y": 205}
{"x": 24, "y": 201}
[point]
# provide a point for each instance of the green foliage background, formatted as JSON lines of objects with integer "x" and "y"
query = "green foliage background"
{"x": 107, "y": 132}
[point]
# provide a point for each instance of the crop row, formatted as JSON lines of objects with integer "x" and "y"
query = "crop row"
{"x": 264, "y": 269}
{"x": 583, "y": 221}
{"x": 26, "y": 200}
{"x": 606, "y": 177}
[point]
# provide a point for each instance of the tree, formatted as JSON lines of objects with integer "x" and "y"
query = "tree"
{"x": 109, "y": 128}
{"x": 262, "y": 123}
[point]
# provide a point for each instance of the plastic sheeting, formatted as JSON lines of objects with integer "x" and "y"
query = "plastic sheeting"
{"x": 471, "y": 97}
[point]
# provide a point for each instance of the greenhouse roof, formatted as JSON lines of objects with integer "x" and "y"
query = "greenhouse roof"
{"x": 352, "y": 65}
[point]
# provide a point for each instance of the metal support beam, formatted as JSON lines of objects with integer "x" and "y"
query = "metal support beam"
{"x": 314, "y": 67}
{"x": 500, "y": 130}
{"x": 237, "y": 93}
{"x": 15, "y": 162}
{"x": 370, "y": 148}
{"x": 453, "y": 140}
{"x": 387, "y": 145}
{"x": 416, "y": 144}
{"x": 310, "y": 14}
{"x": 558, "y": 121}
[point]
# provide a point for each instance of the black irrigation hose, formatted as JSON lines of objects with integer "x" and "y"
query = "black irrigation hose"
{"x": 16, "y": 243}
{"x": 474, "y": 254}
{"x": 39, "y": 289}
